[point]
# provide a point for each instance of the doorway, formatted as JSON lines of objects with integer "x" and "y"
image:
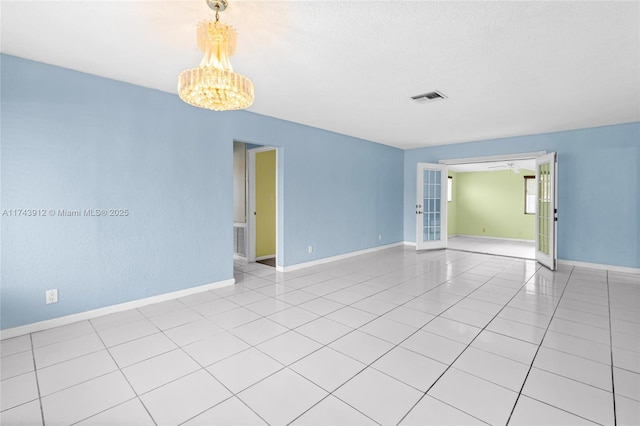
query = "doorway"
{"x": 433, "y": 197}
{"x": 491, "y": 208}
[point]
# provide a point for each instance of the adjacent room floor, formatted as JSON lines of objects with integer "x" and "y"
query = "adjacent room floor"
{"x": 502, "y": 247}
{"x": 394, "y": 337}
{"x": 269, "y": 262}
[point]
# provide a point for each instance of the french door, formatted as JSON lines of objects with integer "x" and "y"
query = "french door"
{"x": 431, "y": 206}
{"x": 546, "y": 210}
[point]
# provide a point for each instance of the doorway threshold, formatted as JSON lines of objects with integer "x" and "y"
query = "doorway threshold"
{"x": 271, "y": 261}
{"x": 496, "y": 246}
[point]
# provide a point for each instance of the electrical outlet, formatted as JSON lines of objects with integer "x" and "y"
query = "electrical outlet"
{"x": 379, "y": 237}
{"x": 483, "y": 230}
{"x": 51, "y": 296}
{"x": 310, "y": 249}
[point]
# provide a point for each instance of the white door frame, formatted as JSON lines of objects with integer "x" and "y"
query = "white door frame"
{"x": 551, "y": 260}
{"x": 421, "y": 209}
{"x": 492, "y": 158}
{"x": 251, "y": 201}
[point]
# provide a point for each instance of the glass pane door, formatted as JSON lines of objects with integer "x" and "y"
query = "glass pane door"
{"x": 431, "y": 206}
{"x": 546, "y": 210}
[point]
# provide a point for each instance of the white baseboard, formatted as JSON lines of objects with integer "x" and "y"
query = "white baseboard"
{"x": 614, "y": 268}
{"x": 94, "y": 313}
{"x": 492, "y": 238}
{"x": 334, "y": 258}
{"x": 601, "y": 266}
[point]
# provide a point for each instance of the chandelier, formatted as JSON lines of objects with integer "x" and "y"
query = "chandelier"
{"x": 213, "y": 84}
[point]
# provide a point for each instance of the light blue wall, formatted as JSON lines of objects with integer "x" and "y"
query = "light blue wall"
{"x": 598, "y": 181}
{"x": 75, "y": 141}
{"x": 335, "y": 193}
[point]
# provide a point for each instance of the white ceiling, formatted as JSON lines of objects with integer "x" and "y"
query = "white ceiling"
{"x": 507, "y": 68}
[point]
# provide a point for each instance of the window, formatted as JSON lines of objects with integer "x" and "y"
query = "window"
{"x": 450, "y": 189}
{"x": 529, "y": 195}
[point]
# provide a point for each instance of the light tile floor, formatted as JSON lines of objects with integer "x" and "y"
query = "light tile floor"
{"x": 394, "y": 337}
{"x": 501, "y": 247}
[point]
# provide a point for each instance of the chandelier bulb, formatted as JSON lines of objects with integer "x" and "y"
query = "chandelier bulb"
{"x": 213, "y": 84}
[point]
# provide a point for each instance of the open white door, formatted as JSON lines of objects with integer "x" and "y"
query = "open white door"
{"x": 546, "y": 210}
{"x": 431, "y": 207}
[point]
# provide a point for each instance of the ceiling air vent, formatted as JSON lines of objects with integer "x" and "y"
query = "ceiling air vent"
{"x": 428, "y": 97}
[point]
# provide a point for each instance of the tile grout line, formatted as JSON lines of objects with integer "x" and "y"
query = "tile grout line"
{"x": 106, "y": 348}
{"x": 613, "y": 381}
{"x": 585, "y": 323}
{"x": 349, "y": 305}
{"x": 233, "y": 394}
{"x": 35, "y": 373}
{"x": 178, "y": 347}
{"x": 58, "y": 363}
{"x": 376, "y": 316}
{"x": 287, "y": 367}
{"x": 324, "y": 398}
{"x": 488, "y": 278}
{"x": 331, "y": 393}
{"x": 205, "y": 369}
{"x": 145, "y": 317}
{"x": 468, "y": 345}
{"x": 539, "y": 346}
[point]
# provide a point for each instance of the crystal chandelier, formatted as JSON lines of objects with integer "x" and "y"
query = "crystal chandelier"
{"x": 213, "y": 84}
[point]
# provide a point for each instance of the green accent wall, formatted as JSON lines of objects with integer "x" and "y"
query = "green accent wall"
{"x": 266, "y": 203}
{"x": 490, "y": 204}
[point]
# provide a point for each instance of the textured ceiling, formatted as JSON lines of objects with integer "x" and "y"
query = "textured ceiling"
{"x": 507, "y": 68}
